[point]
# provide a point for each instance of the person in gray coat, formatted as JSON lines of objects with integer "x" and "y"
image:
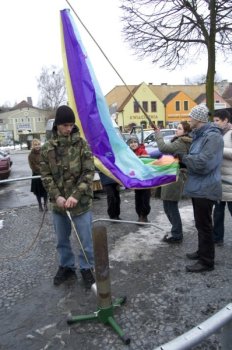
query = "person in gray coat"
{"x": 203, "y": 184}
{"x": 222, "y": 119}
{"x": 171, "y": 194}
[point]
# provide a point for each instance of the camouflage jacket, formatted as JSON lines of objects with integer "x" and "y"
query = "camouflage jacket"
{"x": 67, "y": 169}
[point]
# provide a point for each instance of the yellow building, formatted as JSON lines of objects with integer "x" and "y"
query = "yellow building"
{"x": 125, "y": 103}
{"x": 177, "y": 107}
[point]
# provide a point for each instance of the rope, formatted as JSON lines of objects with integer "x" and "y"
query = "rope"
{"x": 24, "y": 252}
{"x": 78, "y": 239}
{"x": 112, "y": 66}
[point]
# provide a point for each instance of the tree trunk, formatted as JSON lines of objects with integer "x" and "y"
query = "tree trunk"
{"x": 210, "y": 83}
{"x": 211, "y": 59}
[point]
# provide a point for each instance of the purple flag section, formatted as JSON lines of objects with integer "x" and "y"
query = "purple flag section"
{"x": 114, "y": 157}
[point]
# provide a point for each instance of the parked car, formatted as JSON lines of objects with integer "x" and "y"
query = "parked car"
{"x": 5, "y": 165}
{"x": 126, "y": 136}
{"x": 141, "y": 133}
{"x": 150, "y": 143}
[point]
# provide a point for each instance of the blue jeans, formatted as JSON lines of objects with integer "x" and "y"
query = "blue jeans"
{"x": 172, "y": 211}
{"x": 218, "y": 218}
{"x": 83, "y": 225}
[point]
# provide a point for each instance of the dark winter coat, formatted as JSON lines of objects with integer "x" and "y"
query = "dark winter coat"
{"x": 34, "y": 161}
{"x": 173, "y": 191}
{"x": 36, "y": 184}
{"x": 204, "y": 163}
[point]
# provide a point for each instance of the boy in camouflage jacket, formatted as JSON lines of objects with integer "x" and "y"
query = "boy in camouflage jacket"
{"x": 67, "y": 171}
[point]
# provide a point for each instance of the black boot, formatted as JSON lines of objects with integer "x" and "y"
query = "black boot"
{"x": 88, "y": 277}
{"x": 40, "y": 204}
{"x": 63, "y": 274}
{"x": 45, "y": 206}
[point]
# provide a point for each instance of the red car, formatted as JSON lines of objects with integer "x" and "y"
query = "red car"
{"x": 5, "y": 165}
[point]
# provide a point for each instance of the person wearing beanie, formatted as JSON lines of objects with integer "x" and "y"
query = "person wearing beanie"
{"x": 203, "y": 184}
{"x": 142, "y": 197}
{"x": 200, "y": 113}
{"x": 67, "y": 171}
{"x": 64, "y": 114}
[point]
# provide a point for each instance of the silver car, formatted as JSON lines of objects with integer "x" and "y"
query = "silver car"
{"x": 150, "y": 143}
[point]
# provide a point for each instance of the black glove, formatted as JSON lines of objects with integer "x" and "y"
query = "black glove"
{"x": 179, "y": 155}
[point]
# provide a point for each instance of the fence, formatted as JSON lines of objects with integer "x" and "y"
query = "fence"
{"x": 221, "y": 321}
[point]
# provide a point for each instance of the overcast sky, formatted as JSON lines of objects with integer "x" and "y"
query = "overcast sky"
{"x": 30, "y": 39}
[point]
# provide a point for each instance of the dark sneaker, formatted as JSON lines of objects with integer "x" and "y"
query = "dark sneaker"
{"x": 193, "y": 256}
{"x": 171, "y": 239}
{"x": 219, "y": 243}
{"x": 143, "y": 218}
{"x": 115, "y": 218}
{"x": 63, "y": 274}
{"x": 88, "y": 278}
{"x": 199, "y": 267}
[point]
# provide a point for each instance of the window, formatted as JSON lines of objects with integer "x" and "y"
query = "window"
{"x": 153, "y": 106}
{"x": 136, "y": 107}
{"x": 145, "y": 106}
{"x": 177, "y": 105}
{"x": 186, "y": 106}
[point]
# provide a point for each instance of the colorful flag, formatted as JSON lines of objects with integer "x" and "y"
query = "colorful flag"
{"x": 112, "y": 155}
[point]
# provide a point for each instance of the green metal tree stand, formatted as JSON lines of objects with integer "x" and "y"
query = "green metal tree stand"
{"x": 102, "y": 288}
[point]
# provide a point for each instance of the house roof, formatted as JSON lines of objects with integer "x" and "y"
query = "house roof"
{"x": 163, "y": 90}
{"x": 227, "y": 94}
{"x": 21, "y": 105}
{"x": 120, "y": 95}
{"x": 200, "y": 98}
{"x": 170, "y": 97}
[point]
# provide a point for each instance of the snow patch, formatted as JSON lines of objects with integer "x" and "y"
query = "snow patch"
{"x": 142, "y": 243}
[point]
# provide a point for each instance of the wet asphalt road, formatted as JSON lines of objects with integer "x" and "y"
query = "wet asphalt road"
{"x": 17, "y": 194}
{"x": 163, "y": 301}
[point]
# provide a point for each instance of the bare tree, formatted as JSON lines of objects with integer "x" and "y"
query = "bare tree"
{"x": 174, "y": 32}
{"x": 201, "y": 79}
{"x": 51, "y": 85}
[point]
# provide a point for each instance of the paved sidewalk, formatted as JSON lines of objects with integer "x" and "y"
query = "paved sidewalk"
{"x": 163, "y": 301}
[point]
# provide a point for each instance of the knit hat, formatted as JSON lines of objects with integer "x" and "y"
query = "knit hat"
{"x": 132, "y": 138}
{"x": 64, "y": 114}
{"x": 200, "y": 113}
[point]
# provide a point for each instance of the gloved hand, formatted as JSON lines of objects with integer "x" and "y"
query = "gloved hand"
{"x": 179, "y": 155}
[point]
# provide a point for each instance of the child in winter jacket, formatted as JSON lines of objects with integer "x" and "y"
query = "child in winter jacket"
{"x": 142, "y": 197}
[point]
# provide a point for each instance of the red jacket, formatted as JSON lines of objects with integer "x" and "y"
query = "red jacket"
{"x": 140, "y": 150}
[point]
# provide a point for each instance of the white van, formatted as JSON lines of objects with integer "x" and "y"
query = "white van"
{"x": 116, "y": 128}
{"x": 49, "y": 127}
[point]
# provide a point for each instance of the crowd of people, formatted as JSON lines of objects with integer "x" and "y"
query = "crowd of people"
{"x": 66, "y": 166}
